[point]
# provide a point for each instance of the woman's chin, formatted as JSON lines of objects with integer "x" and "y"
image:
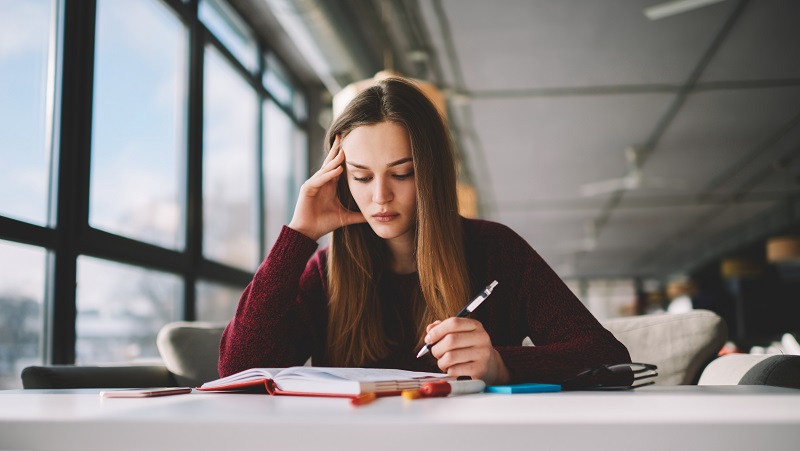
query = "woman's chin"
{"x": 387, "y": 231}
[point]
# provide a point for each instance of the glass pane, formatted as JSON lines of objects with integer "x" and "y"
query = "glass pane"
{"x": 21, "y": 310}
{"x": 216, "y": 302}
{"x": 137, "y": 184}
{"x": 278, "y": 150}
{"x": 26, "y": 108}
{"x": 276, "y": 81}
{"x": 121, "y": 309}
{"x": 300, "y": 106}
{"x": 299, "y": 166}
{"x": 229, "y": 28}
{"x": 230, "y": 131}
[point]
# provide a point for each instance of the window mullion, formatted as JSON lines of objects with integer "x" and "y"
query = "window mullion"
{"x": 72, "y": 214}
{"x": 194, "y": 176}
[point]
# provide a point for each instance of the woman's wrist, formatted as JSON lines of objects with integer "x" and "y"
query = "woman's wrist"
{"x": 303, "y": 230}
{"x": 502, "y": 376}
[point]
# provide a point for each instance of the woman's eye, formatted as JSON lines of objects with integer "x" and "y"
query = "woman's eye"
{"x": 362, "y": 179}
{"x": 404, "y": 176}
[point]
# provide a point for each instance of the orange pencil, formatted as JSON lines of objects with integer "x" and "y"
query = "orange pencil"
{"x": 361, "y": 400}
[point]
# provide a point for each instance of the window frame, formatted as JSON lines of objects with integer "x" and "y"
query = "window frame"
{"x": 70, "y": 235}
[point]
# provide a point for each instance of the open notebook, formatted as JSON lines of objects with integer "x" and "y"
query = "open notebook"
{"x": 322, "y": 381}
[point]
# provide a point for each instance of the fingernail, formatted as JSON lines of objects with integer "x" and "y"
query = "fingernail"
{"x": 427, "y": 338}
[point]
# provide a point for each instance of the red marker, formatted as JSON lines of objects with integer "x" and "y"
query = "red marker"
{"x": 445, "y": 388}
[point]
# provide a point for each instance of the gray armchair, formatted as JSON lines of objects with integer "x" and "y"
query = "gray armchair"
{"x": 190, "y": 351}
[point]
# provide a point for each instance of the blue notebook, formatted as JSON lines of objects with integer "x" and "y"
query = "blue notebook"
{"x": 523, "y": 388}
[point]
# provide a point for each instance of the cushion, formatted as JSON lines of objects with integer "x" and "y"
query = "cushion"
{"x": 190, "y": 351}
{"x": 680, "y": 344}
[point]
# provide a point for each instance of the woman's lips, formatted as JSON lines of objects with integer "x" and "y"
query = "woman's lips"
{"x": 385, "y": 217}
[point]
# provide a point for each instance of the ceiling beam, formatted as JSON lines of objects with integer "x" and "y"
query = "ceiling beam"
{"x": 583, "y": 91}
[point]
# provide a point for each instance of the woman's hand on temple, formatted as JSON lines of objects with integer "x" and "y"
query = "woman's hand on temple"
{"x": 463, "y": 348}
{"x": 318, "y": 210}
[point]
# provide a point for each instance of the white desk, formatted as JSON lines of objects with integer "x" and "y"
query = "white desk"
{"x": 653, "y": 418}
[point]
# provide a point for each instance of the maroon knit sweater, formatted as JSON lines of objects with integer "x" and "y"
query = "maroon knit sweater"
{"x": 281, "y": 319}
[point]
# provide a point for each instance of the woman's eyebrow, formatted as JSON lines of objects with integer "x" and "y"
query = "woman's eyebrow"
{"x": 394, "y": 163}
{"x": 399, "y": 162}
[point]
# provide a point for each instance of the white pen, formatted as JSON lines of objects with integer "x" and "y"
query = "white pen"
{"x": 465, "y": 311}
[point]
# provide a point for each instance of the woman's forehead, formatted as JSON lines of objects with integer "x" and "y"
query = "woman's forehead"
{"x": 377, "y": 144}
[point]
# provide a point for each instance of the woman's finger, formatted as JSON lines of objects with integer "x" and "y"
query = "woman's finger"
{"x": 432, "y": 325}
{"x": 334, "y": 162}
{"x": 333, "y": 152}
{"x": 478, "y": 357}
{"x": 451, "y": 325}
{"x": 459, "y": 341}
{"x": 319, "y": 179}
{"x": 472, "y": 369}
{"x": 352, "y": 217}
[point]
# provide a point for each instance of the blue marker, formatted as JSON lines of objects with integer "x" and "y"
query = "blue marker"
{"x": 523, "y": 388}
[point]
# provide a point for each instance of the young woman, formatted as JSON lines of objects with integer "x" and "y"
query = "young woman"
{"x": 402, "y": 263}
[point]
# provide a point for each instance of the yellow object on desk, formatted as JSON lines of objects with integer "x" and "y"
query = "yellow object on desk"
{"x": 411, "y": 394}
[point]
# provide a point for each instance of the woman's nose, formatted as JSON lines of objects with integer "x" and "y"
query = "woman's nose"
{"x": 383, "y": 192}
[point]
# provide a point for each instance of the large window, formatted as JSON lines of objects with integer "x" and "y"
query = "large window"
{"x": 229, "y": 165}
{"x": 278, "y": 152}
{"x": 135, "y": 187}
{"x": 285, "y": 148}
{"x": 138, "y": 133}
{"x": 27, "y": 59}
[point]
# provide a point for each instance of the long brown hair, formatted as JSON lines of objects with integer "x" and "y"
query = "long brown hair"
{"x": 358, "y": 258}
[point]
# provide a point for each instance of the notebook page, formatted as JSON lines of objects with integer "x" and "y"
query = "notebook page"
{"x": 246, "y": 375}
{"x": 354, "y": 374}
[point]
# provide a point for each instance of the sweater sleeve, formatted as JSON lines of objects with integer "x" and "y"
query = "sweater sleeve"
{"x": 274, "y": 322}
{"x": 566, "y": 335}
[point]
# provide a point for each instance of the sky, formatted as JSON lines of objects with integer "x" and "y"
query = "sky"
{"x": 23, "y": 67}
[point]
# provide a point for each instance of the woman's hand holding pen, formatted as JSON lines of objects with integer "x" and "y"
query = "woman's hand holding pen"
{"x": 318, "y": 210}
{"x": 463, "y": 348}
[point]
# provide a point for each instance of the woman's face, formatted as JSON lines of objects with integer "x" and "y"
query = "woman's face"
{"x": 380, "y": 174}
